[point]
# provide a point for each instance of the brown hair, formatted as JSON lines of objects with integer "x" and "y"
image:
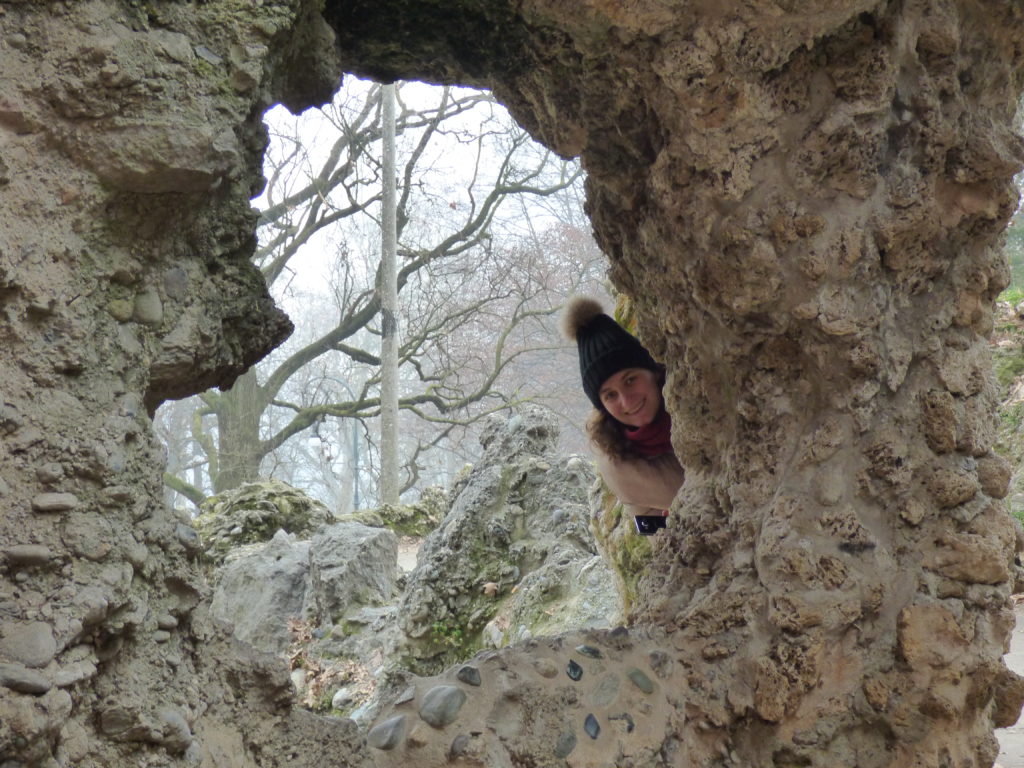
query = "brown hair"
{"x": 606, "y": 435}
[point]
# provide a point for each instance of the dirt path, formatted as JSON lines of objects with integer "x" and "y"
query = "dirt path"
{"x": 1011, "y": 740}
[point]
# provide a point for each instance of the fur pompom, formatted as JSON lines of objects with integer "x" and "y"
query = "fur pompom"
{"x": 578, "y": 313}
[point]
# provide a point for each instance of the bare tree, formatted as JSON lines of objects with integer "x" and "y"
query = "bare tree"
{"x": 451, "y": 270}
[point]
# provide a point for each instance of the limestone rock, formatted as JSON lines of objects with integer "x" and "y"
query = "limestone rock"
{"x": 27, "y": 642}
{"x": 351, "y": 565}
{"x": 259, "y": 591}
{"x": 416, "y": 519}
{"x": 253, "y": 513}
{"x": 517, "y": 521}
{"x": 343, "y": 567}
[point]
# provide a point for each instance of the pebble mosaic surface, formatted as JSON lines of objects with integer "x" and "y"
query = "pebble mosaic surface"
{"x": 598, "y": 700}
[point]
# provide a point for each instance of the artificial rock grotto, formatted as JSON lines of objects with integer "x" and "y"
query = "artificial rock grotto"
{"x": 803, "y": 199}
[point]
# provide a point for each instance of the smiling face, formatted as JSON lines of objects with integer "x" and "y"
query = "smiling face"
{"x": 632, "y": 396}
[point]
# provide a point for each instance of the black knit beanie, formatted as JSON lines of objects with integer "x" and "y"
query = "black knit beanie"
{"x": 605, "y": 347}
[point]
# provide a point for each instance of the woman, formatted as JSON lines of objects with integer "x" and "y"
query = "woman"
{"x": 630, "y": 431}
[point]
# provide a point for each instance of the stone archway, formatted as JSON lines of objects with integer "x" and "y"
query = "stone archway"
{"x": 805, "y": 202}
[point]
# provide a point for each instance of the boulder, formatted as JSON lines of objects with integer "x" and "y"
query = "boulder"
{"x": 514, "y": 554}
{"x": 344, "y": 567}
{"x": 253, "y": 513}
{"x": 351, "y": 565}
{"x": 262, "y": 588}
{"x": 416, "y": 519}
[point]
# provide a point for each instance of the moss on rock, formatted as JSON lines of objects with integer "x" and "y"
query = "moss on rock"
{"x": 626, "y": 552}
{"x": 253, "y": 513}
{"x": 416, "y": 519}
{"x": 1007, "y": 347}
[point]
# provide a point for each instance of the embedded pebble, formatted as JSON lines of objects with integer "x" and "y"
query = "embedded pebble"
{"x": 441, "y": 705}
{"x": 341, "y": 698}
{"x": 177, "y": 735}
{"x": 50, "y": 473}
{"x": 19, "y": 678}
{"x": 660, "y": 663}
{"x": 468, "y": 675}
{"x": 545, "y": 668}
{"x": 407, "y": 695}
{"x": 28, "y": 554}
{"x": 176, "y": 281}
{"x": 620, "y": 638}
{"x": 574, "y": 670}
{"x": 120, "y": 309}
{"x": 459, "y": 747}
{"x": 640, "y": 680}
{"x": 30, "y": 643}
{"x": 54, "y": 502}
{"x": 207, "y": 55}
{"x": 73, "y": 673}
{"x": 166, "y": 621}
{"x": 88, "y": 535}
{"x": 24, "y": 440}
{"x": 116, "y": 720}
{"x": 605, "y": 691}
{"x": 161, "y": 636}
{"x": 188, "y": 536}
{"x": 148, "y": 309}
{"x": 115, "y": 494}
{"x": 565, "y": 745}
{"x": 592, "y": 727}
{"x": 93, "y": 605}
{"x": 589, "y": 650}
{"x": 388, "y": 734}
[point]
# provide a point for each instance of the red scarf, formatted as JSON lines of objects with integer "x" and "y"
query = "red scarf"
{"x": 654, "y": 439}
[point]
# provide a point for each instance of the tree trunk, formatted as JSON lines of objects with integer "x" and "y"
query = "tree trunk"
{"x": 239, "y": 449}
{"x": 389, "y": 486}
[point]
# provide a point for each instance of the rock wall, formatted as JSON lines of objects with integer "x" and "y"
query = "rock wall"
{"x": 130, "y": 144}
{"x": 803, "y": 199}
{"x": 805, "y": 202}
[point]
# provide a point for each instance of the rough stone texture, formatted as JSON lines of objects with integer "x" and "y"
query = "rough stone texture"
{"x": 261, "y": 589}
{"x": 513, "y": 556}
{"x": 518, "y": 512}
{"x": 127, "y": 161}
{"x": 341, "y": 568}
{"x": 804, "y": 200}
{"x": 416, "y": 519}
{"x": 255, "y": 512}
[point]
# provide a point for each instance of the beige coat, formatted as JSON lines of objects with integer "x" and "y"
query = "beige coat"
{"x": 646, "y": 485}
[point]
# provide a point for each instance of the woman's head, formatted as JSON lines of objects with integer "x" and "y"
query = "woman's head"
{"x": 608, "y": 353}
